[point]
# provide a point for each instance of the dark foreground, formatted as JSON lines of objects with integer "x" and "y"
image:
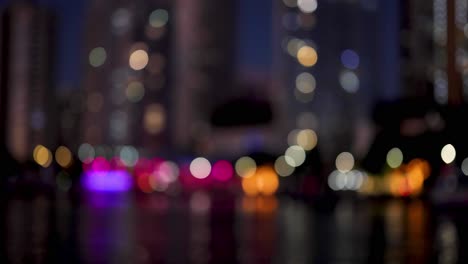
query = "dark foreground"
{"x": 225, "y": 228}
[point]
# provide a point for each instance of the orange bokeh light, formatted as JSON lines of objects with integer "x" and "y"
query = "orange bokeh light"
{"x": 264, "y": 181}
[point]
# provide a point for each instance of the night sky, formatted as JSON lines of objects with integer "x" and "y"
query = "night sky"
{"x": 253, "y": 37}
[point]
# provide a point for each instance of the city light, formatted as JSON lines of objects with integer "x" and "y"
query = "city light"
{"x": 350, "y": 59}
{"x": 292, "y": 137}
{"x": 282, "y": 168}
{"x": 97, "y": 57}
{"x": 349, "y": 81}
{"x": 200, "y": 168}
{"x": 222, "y": 171}
{"x": 138, "y": 60}
{"x": 394, "y": 158}
{"x": 154, "y": 119}
{"x": 344, "y": 162}
{"x": 264, "y": 181}
{"x": 307, "y": 139}
{"x": 129, "y": 155}
{"x": 464, "y": 166}
{"x": 307, "y": 6}
{"x": 42, "y": 156}
{"x": 158, "y": 18}
{"x": 86, "y": 153}
{"x": 305, "y": 83}
{"x": 295, "y": 156}
{"x": 107, "y": 181}
{"x": 307, "y": 56}
{"x": 448, "y": 153}
{"x": 135, "y": 91}
{"x": 351, "y": 180}
{"x": 63, "y": 157}
{"x": 245, "y": 167}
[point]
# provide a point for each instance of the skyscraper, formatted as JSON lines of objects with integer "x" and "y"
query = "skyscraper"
{"x": 27, "y": 90}
{"x": 127, "y": 76}
{"x": 336, "y": 59}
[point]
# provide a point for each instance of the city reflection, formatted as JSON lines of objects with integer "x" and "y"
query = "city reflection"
{"x": 205, "y": 227}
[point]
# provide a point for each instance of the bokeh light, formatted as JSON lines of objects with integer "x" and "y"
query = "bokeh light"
{"x": 305, "y": 83}
{"x": 307, "y": 56}
{"x": 154, "y": 119}
{"x": 100, "y": 164}
{"x": 349, "y": 81}
{"x": 63, "y": 157}
{"x": 158, "y": 18}
{"x": 282, "y": 168}
{"x": 135, "y": 91}
{"x": 167, "y": 172}
{"x": 264, "y": 181}
{"x": 295, "y": 156}
{"x": 97, "y": 56}
{"x": 292, "y": 137}
{"x": 222, "y": 171}
{"x": 351, "y": 180}
{"x": 200, "y": 168}
{"x": 464, "y": 166}
{"x": 245, "y": 167}
{"x": 307, "y": 6}
{"x": 448, "y": 153}
{"x": 42, "y": 156}
{"x": 293, "y": 46}
{"x": 307, "y": 139}
{"x": 86, "y": 153}
{"x": 344, "y": 162}
{"x": 350, "y": 59}
{"x": 394, "y": 158}
{"x": 129, "y": 155}
{"x": 138, "y": 59}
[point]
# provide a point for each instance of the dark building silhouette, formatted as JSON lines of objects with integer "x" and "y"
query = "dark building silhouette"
{"x": 27, "y": 104}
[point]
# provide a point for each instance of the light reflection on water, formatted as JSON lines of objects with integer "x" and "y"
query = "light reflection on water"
{"x": 223, "y": 228}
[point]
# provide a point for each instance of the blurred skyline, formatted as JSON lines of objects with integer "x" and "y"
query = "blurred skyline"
{"x": 253, "y": 31}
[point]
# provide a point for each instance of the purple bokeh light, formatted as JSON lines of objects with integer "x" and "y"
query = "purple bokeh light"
{"x": 107, "y": 181}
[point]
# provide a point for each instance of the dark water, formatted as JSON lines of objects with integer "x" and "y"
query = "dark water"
{"x": 224, "y": 228}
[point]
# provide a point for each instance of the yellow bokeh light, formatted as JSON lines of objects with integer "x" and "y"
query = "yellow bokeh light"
{"x": 344, "y": 162}
{"x": 245, "y": 167}
{"x": 63, "y": 157}
{"x": 138, "y": 59}
{"x": 307, "y": 139}
{"x": 154, "y": 119}
{"x": 42, "y": 156}
{"x": 394, "y": 158}
{"x": 307, "y": 56}
{"x": 282, "y": 167}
